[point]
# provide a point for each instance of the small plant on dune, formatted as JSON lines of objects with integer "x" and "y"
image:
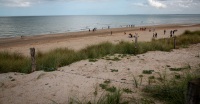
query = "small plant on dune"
{"x": 111, "y": 89}
{"x": 146, "y": 101}
{"x": 114, "y": 70}
{"x": 135, "y": 81}
{"x": 180, "y": 69}
{"x": 151, "y": 79}
{"x": 162, "y": 76}
{"x": 177, "y": 76}
{"x": 140, "y": 76}
{"x": 107, "y": 81}
{"x": 126, "y": 90}
{"x": 93, "y": 60}
{"x": 147, "y": 71}
{"x": 103, "y": 86}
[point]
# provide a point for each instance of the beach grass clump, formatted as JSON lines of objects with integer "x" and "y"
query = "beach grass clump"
{"x": 172, "y": 91}
{"x": 93, "y": 60}
{"x": 111, "y": 89}
{"x": 97, "y": 51}
{"x": 180, "y": 69}
{"x": 124, "y": 48}
{"x": 147, "y": 71}
{"x": 14, "y": 62}
{"x": 114, "y": 70}
{"x": 108, "y": 98}
{"x": 127, "y": 90}
{"x": 60, "y": 57}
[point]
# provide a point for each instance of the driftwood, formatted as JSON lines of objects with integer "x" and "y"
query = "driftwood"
{"x": 193, "y": 92}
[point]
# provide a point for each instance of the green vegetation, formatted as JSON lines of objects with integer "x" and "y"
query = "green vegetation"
{"x": 103, "y": 86}
{"x": 126, "y": 90}
{"x": 180, "y": 69}
{"x": 109, "y": 98}
{"x": 147, "y": 71}
{"x": 93, "y": 60}
{"x": 111, "y": 89}
{"x": 172, "y": 91}
{"x": 107, "y": 81}
{"x": 114, "y": 70}
{"x": 50, "y": 61}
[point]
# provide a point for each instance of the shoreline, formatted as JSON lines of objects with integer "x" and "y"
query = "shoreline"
{"x": 81, "y": 39}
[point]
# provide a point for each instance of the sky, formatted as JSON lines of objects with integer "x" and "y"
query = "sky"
{"x": 97, "y": 7}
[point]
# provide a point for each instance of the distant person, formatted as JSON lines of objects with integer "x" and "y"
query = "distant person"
{"x": 164, "y": 32}
{"x": 108, "y": 27}
{"x": 130, "y": 35}
{"x": 89, "y": 30}
{"x": 171, "y": 33}
{"x": 156, "y": 35}
{"x": 174, "y": 31}
{"x": 149, "y": 30}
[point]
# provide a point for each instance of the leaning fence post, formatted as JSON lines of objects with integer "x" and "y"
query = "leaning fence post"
{"x": 33, "y": 62}
{"x": 193, "y": 92}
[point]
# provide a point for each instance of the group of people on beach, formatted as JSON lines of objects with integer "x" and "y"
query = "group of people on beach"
{"x": 143, "y": 29}
{"x": 172, "y": 33}
{"x": 94, "y": 29}
{"x": 155, "y": 35}
{"x": 130, "y": 25}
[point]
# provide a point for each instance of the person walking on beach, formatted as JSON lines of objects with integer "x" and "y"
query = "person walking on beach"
{"x": 171, "y": 33}
{"x": 156, "y": 34}
{"x": 164, "y": 32}
{"x": 130, "y": 35}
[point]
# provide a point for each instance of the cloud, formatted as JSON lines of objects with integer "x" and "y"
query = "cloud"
{"x": 173, "y": 3}
{"x": 15, "y": 3}
{"x": 140, "y": 4}
{"x": 156, "y": 4}
{"x": 28, "y": 3}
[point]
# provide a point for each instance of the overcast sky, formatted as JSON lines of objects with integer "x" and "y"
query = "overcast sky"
{"x": 97, "y": 7}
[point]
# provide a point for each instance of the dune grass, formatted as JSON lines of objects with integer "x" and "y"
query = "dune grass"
{"x": 108, "y": 98}
{"x": 173, "y": 90}
{"x": 50, "y": 61}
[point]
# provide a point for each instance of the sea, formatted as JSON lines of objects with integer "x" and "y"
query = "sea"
{"x": 15, "y": 26}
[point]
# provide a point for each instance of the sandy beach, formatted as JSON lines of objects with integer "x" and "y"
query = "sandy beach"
{"x": 79, "y": 40}
{"x": 81, "y": 78}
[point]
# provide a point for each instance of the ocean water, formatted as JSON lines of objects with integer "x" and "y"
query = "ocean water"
{"x": 38, "y": 25}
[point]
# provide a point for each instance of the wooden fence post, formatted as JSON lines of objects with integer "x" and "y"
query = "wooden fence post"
{"x": 174, "y": 42}
{"x": 33, "y": 62}
{"x": 136, "y": 41}
{"x": 168, "y": 41}
{"x": 193, "y": 92}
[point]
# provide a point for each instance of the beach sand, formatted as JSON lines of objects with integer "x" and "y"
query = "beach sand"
{"x": 80, "y": 79}
{"x": 79, "y": 40}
